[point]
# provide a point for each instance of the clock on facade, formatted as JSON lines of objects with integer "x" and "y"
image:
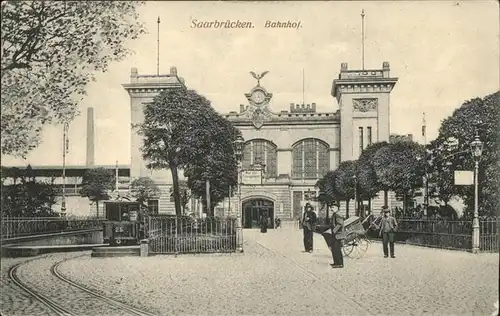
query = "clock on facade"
{"x": 258, "y": 96}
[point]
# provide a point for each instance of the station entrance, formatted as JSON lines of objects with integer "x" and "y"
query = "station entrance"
{"x": 253, "y": 210}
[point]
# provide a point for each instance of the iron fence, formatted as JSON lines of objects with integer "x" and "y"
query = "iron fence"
{"x": 440, "y": 233}
{"x": 169, "y": 235}
{"x": 449, "y": 234}
{"x": 14, "y": 227}
{"x": 489, "y": 231}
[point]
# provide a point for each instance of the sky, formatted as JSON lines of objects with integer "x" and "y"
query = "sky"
{"x": 443, "y": 52}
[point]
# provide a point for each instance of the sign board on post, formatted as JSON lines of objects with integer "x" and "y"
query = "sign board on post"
{"x": 464, "y": 177}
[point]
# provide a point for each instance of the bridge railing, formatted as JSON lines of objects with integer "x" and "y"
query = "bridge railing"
{"x": 14, "y": 227}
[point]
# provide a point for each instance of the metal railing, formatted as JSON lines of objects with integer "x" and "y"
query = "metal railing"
{"x": 489, "y": 231}
{"x": 446, "y": 234}
{"x": 439, "y": 233}
{"x": 14, "y": 227}
{"x": 170, "y": 234}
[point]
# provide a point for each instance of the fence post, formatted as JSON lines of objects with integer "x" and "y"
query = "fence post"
{"x": 144, "y": 247}
{"x": 239, "y": 235}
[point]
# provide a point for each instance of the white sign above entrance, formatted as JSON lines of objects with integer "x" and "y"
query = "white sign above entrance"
{"x": 251, "y": 177}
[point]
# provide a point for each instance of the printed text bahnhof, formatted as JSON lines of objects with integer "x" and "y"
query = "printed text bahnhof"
{"x": 237, "y": 24}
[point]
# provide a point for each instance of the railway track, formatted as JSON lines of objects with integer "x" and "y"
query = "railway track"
{"x": 55, "y": 306}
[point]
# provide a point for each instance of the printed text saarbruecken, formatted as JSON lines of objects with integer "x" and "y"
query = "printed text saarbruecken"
{"x": 238, "y": 24}
{"x": 228, "y": 24}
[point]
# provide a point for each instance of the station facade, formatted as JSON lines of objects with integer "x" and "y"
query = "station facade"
{"x": 287, "y": 148}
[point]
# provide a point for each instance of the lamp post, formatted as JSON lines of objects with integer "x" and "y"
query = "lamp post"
{"x": 65, "y": 151}
{"x": 476, "y": 147}
{"x": 355, "y": 195}
{"x": 238, "y": 153}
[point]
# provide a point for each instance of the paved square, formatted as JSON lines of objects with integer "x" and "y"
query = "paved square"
{"x": 273, "y": 277}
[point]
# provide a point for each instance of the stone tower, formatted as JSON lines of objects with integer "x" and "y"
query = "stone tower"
{"x": 364, "y": 101}
{"x": 142, "y": 89}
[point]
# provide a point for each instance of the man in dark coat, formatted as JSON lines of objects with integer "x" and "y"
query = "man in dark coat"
{"x": 338, "y": 235}
{"x": 388, "y": 228}
{"x": 334, "y": 234}
{"x": 308, "y": 224}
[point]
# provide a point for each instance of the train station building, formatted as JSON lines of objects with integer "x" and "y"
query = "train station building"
{"x": 288, "y": 147}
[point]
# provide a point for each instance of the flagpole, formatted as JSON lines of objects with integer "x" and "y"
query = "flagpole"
{"x": 363, "y": 39}
{"x": 158, "y": 48}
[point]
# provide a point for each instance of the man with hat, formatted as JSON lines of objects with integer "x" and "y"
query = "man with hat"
{"x": 388, "y": 228}
{"x": 308, "y": 224}
{"x": 333, "y": 234}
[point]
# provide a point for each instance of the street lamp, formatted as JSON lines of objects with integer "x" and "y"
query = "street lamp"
{"x": 355, "y": 195}
{"x": 476, "y": 147}
{"x": 65, "y": 151}
{"x": 238, "y": 153}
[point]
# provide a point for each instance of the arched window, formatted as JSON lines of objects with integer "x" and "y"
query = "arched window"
{"x": 263, "y": 152}
{"x": 310, "y": 159}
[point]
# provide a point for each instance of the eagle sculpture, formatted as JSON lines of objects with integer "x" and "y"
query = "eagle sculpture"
{"x": 258, "y": 77}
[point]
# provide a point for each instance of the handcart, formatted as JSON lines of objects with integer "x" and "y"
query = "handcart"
{"x": 355, "y": 244}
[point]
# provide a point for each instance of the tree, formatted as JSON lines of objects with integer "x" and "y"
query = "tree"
{"x": 27, "y": 197}
{"x": 481, "y": 116}
{"x": 368, "y": 182}
{"x": 50, "y": 50}
{"x": 399, "y": 167}
{"x": 144, "y": 189}
{"x": 215, "y": 162}
{"x": 345, "y": 182}
{"x": 177, "y": 133}
{"x": 328, "y": 196}
{"x": 96, "y": 183}
{"x": 184, "y": 193}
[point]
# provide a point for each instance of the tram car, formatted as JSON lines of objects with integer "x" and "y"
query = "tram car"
{"x": 124, "y": 224}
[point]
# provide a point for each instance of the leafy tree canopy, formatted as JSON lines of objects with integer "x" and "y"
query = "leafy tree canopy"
{"x": 27, "y": 197}
{"x": 326, "y": 185}
{"x": 399, "y": 166}
{"x": 144, "y": 189}
{"x": 215, "y": 161}
{"x": 479, "y": 116}
{"x": 368, "y": 182}
{"x": 182, "y": 131}
{"x": 345, "y": 181}
{"x": 50, "y": 50}
{"x": 97, "y": 183}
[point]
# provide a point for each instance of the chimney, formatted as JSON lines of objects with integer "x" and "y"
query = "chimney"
{"x": 90, "y": 137}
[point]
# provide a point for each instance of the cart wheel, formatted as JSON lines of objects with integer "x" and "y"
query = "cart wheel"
{"x": 360, "y": 246}
{"x": 348, "y": 245}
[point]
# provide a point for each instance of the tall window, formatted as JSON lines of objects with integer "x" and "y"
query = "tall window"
{"x": 369, "y": 131}
{"x": 310, "y": 159}
{"x": 263, "y": 152}
{"x": 361, "y": 139}
{"x": 153, "y": 206}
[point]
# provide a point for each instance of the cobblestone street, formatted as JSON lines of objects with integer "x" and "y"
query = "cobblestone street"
{"x": 273, "y": 276}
